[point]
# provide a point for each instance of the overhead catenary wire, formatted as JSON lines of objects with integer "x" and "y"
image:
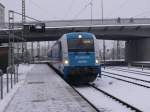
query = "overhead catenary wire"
{"x": 83, "y": 9}
{"x": 69, "y": 9}
{"x": 27, "y": 16}
{"x": 38, "y": 6}
{"x": 31, "y": 18}
{"x": 118, "y": 8}
{"x": 41, "y": 8}
{"x": 142, "y": 13}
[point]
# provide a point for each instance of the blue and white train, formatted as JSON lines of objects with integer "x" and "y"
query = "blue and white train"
{"x": 76, "y": 56}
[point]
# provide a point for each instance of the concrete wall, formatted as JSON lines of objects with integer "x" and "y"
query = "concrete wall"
{"x": 2, "y": 15}
{"x": 138, "y": 50}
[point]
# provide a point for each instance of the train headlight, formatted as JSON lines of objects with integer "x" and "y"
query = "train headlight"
{"x": 66, "y": 62}
{"x": 97, "y": 61}
{"x": 80, "y": 36}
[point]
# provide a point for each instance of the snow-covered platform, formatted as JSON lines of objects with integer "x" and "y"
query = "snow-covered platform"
{"x": 44, "y": 91}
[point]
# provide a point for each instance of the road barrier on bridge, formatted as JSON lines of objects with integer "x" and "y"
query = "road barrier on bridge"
{"x": 85, "y": 22}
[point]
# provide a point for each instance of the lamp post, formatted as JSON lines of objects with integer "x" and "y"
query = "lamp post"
{"x": 102, "y": 11}
{"x": 104, "y": 49}
{"x": 102, "y": 17}
{"x": 91, "y": 4}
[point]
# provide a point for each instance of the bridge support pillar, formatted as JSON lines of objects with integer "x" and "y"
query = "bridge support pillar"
{"x": 138, "y": 50}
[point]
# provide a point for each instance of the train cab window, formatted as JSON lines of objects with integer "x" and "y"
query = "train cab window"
{"x": 81, "y": 45}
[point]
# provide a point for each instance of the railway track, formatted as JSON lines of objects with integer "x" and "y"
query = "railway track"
{"x": 76, "y": 90}
{"x": 86, "y": 99}
{"x": 109, "y": 96}
{"x": 132, "y": 71}
{"x": 122, "y": 103}
{"x": 124, "y": 80}
{"x": 117, "y": 99}
{"x": 127, "y": 77}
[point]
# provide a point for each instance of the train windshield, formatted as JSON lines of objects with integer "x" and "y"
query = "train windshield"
{"x": 81, "y": 45}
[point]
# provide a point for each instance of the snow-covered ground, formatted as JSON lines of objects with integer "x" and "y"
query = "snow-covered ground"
{"x": 132, "y": 68}
{"x": 135, "y": 95}
{"x": 128, "y": 74}
{"x": 101, "y": 101}
{"x": 128, "y": 79}
{"x": 130, "y": 93}
{"x": 134, "y": 75}
{"x": 23, "y": 69}
{"x": 45, "y": 91}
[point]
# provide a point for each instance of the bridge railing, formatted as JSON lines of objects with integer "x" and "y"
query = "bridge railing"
{"x": 87, "y": 22}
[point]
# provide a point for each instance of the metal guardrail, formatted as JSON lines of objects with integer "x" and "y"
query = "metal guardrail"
{"x": 1, "y": 82}
{"x": 9, "y": 80}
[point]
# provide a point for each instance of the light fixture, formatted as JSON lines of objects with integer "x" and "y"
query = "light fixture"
{"x": 66, "y": 62}
{"x": 80, "y": 36}
{"x": 96, "y": 61}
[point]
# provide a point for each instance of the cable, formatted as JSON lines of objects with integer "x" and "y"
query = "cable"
{"x": 38, "y": 6}
{"x": 83, "y": 9}
{"x": 41, "y": 8}
{"x": 69, "y": 9}
{"x": 119, "y": 7}
{"x": 26, "y": 16}
{"x": 142, "y": 13}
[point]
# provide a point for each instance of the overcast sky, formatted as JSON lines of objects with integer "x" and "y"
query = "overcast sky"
{"x": 78, "y": 9}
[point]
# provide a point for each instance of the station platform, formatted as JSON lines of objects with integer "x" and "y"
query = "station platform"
{"x": 44, "y": 91}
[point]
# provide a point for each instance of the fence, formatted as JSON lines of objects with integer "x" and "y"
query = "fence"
{"x": 8, "y": 80}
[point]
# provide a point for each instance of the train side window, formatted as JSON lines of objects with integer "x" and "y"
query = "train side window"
{"x": 60, "y": 51}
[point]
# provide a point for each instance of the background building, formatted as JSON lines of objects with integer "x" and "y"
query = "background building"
{"x": 2, "y": 15}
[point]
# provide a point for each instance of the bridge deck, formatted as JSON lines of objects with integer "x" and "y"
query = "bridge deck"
{"x": 44, "y": 91}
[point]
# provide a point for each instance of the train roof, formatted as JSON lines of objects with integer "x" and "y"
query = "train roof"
{"x": 76, "y": 34}
{"x": 4, "y": 47}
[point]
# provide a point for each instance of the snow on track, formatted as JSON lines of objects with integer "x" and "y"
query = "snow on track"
{"x": 133, "y": 75}
{"x": 133, "y": 69}
{"x": 128, "y": 79}
{"x": 132, "y": 94}
{"x": 101, "y": 101}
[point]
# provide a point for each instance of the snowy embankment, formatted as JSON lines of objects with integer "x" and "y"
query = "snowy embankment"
{"x": 22, "y": 72}
{"x": 130, "y": 93}
{"x": 126, "y": 77}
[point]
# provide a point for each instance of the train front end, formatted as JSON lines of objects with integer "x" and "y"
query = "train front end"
{"x": 82, "y": 63}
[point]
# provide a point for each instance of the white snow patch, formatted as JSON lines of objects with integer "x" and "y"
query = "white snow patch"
{"x": 5, "y": 102}
{"x": 132, "y": 94}
{"x": 101, "y": 101}
{"x": 23, "y": 69}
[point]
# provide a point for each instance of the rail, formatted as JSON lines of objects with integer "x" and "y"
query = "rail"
{"x": 138, "y": 84}
{"x": 1, "y": 79}
{"x": 117, "y": 99}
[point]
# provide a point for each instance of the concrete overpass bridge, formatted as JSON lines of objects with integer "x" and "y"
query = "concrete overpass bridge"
{"x": 111, "y": 29}
{"x": 135, "y": 31}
